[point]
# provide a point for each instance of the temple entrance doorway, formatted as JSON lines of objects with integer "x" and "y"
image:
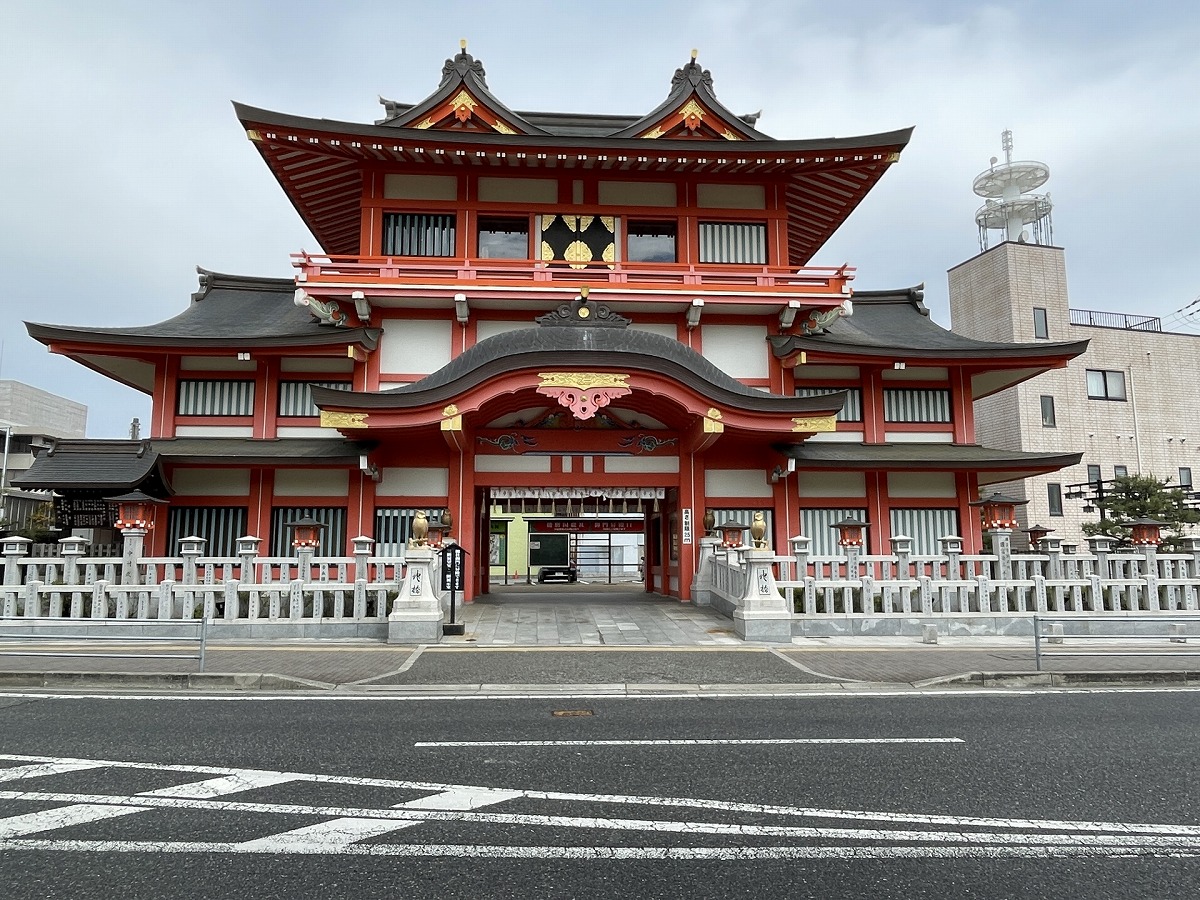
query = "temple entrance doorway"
{"x": 572, "y": 539}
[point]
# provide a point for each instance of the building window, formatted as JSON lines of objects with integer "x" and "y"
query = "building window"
{"x": 1120, "y": 471}
{"x": 1041, "y": 327}
{"x": 333, "y": 535}
{"x": 418, "y": 234}
{"x": 1054, "y": 498}
{"x": 295, "y": 398}
{"x": 912, "y": 405}
{"x": 1105, "y": 384}
{"x": 1048, "y": 411}
{"x": 1185, "y": 477}
{"x": 220, "y": 526}
{"x": 733, "y": 242}
{"x": 851, "y": 411}
{"x": 1093, "y": 474}
{"x": 218, "y": 397}
{"x": 503, "y": 238}
{"x": 580, "y": 241}
{"x": 924, "y": 526}
{"x": 650, "y": 242}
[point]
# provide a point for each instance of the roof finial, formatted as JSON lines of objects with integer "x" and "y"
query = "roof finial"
{"x": 462, "y": 45}
{"x": 695, "y": 53}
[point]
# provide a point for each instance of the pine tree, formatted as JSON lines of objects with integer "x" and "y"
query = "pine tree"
{"x": 1129, "y": 497}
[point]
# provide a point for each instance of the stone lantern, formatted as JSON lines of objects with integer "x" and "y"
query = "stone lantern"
{"x": 731, "y": 534}
{"x": 850, "y": 532}
{"x": 998, "y": 510}
{"x": 1036, "y": 534}
{"x": 306, "y": 532}
{"x": 135, "y": 510}
{"x": 1147, "y": 532}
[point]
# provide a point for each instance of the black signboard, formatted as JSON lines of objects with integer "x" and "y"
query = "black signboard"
{"x": 453, "y": 565}
{"x": 82, "y": 512}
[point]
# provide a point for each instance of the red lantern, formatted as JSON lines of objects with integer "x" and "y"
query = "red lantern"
{"x": 850, "y": 532}
{"x": 1146, "y": 532}
{"x": 1036, "y": 533}
{"x": 731, "y": 534}
{"x": 134, "y": 510}
{"x": 998, "y": 511}
{"x": 306, "y": 532}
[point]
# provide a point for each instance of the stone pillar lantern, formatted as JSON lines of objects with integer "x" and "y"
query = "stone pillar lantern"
{"x": 731, "y": 534}
{"x": 1147, "y": 534}
{"x": 1036, "y": 533}
{"x": 135, "y": 517}
{"x": 851, "y": 539}
{"x": 998, "y": 514}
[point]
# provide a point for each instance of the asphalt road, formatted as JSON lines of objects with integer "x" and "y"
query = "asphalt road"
{"x": 977, "y": 794}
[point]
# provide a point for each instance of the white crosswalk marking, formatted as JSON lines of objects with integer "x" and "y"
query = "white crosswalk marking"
{"x": 37, "y": 770}
{"x": 81, "y": 813}
{"x": 343, "y": 831}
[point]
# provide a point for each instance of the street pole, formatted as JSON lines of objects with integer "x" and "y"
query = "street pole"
{"x": 4, "y": 473}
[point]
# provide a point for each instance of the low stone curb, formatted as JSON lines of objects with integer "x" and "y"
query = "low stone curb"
{"x": 1061, "y": 679}
{"x": 237, "y": 681}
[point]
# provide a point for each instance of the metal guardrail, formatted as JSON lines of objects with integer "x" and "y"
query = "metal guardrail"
{"x": 8, "y": 635}
{"x": 1058, "y": 637}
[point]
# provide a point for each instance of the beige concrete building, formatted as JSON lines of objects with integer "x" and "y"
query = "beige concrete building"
{"x": 1130, "y": 403}
{"x": 29, "y": 418}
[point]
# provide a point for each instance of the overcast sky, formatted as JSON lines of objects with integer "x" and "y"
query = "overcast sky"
{"x": 124, "y": 167}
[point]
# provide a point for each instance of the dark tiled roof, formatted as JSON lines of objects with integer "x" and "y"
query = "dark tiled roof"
{"x": 897, "y": 323}
{"x": 993, "y": 465}
{"x": 250, "y": 450}
{"x": 229, "y": 311}
{"x": 95, "y": 465}
{"x": 114, "y": 466}
{"x": 574, "y": 348}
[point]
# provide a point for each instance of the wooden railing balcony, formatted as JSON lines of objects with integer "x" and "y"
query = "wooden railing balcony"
{"x": 381, "y": 276}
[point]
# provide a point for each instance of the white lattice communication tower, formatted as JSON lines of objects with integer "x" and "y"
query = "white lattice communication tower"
{"x": 1011, "y": 204}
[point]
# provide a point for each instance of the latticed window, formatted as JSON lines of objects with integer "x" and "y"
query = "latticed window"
{"x": 216, "y": 397}
{"x": 817, "y": 524}
{"x": 333, "y": 535}
{"x": 579, "y": 241}
{"x": 924, "y": 526}
{"x": 851, "y": 410}
{"x": 295, "y": 398}
{"x": 418, "y": 234}
{"x": 220, "y": 526}
{"x": 733, "y": 242}
{"x": 916, "y": 405}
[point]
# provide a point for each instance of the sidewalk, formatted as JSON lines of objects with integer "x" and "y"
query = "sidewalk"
{"x": 605, "y": 639}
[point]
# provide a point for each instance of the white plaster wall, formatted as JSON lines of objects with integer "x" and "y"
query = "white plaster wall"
{"x": 414, "y": 346}
{"x": 921, "y": 484}
{"x": 831, "y": 484}
{"x": 413, "y": 482}
{"x": 315, "y": 482}
{"x": 637, "y": 464}
{"x": 214, "y": 482}
{"x": 738, "y": 350}
{"x": 512, "y": 464}
{"x": 736, "y": 483}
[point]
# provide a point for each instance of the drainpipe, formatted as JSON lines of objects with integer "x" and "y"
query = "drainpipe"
{"x": 1137, "y": 438}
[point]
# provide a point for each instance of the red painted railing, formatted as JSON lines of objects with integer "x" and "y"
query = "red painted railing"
{"x": 386, "y": 271}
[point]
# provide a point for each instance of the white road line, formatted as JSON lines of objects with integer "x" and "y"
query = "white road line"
{"x": 79, "y": 813}
{"x": 1176, "y": 841}
{"x": 965, "y": 692}
{"x": 482, "y": 851}
{"x": 690, "y": 742}
{"x": 684, "y": 802}
{"x": 56, "y": 767}
{"x": 346, "y": 830}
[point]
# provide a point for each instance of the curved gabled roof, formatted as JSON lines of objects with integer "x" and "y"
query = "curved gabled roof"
{"x": 575, "y": 348}
{"x": 896, "y": 325}
{"x": 993, "y": 466}
{"x": 320, "y": 163}
{"x": 229, "y": 311}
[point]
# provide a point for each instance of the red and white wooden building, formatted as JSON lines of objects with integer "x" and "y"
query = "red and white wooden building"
{"x": 587, "y": 313}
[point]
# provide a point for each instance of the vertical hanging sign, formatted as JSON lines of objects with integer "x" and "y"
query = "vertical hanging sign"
{"x": 453, "y": 580}
{"x": 686, "y": 525}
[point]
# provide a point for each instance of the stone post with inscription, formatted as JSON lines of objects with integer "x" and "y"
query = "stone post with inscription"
{"x": 763, "y": 613}
{"x": 416, "y": 616}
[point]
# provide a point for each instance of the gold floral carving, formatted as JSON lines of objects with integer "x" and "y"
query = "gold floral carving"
{"x": 653, "y": 133}
{"x": 463, "y": 105}
{"x": 609, "y": 222}
{"x": 332, "y": 419}
{"x": 692, "y": 115}
{"x": 450, "y": 410}
{"x": 585, "y": 222}
{"x": 729, "y": 135}
{"x": 582, "y": 380}
{"x": 713, "y": 413}
{"x": 547, "y": 251}
{"x": 894, "y": 156}
{"x": 815, "y": 423}
{"x": 578, "y": 254}
{"x": 502, "y": 128}
{"x": 424, "y": 123}
{"x": 253, "y": 134}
